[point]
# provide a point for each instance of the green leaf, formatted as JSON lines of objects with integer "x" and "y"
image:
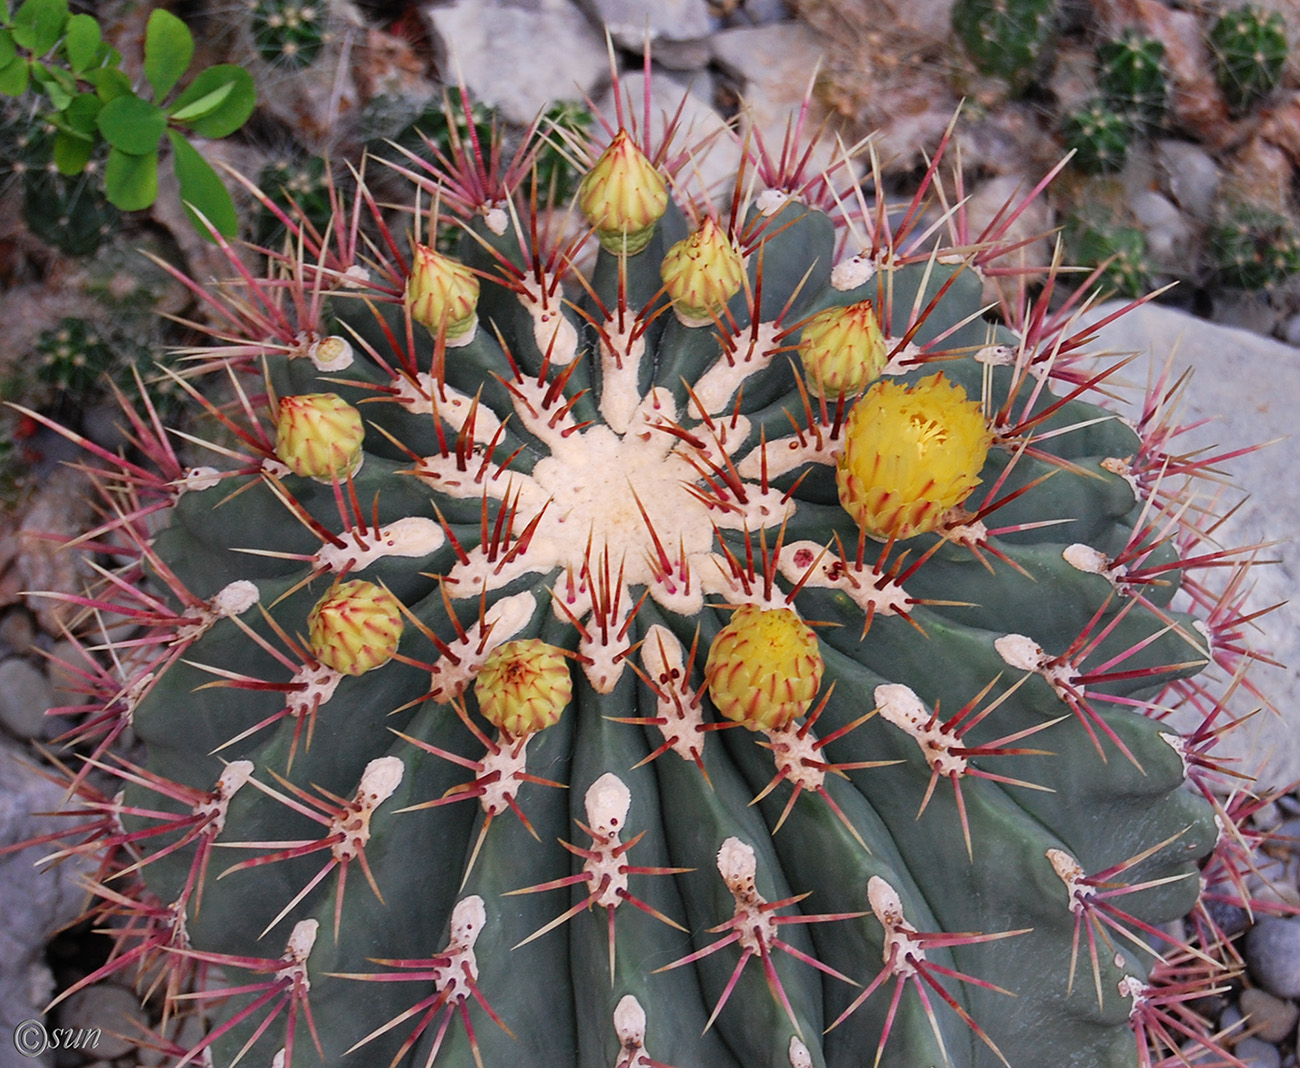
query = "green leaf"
{"x": 58, "y": 84}
{"x": 130, "y": 181}
{"x": 109, "y": 83}
{"x": 202, "y": 192}
{"x": 72, "y": 152}
{"x": 7, "y": 48}
{"x": 82, "y": 42}
{"x": 38, "y": 25}
{"x": 205, "y": 105}
{"x": 14, "y": 76}
{"x": 232, "y": 112}
{"x": 80, "y": 115}
{"x": 168, "y": 49}
{"x": 132, "y": 125}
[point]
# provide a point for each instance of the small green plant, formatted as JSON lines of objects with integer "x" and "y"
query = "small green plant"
{"x": 1117, "y": 250}
{"x": 1098, "y": 136}
{"x": 1253, "y": 247}
{"x": 1008, "y": 39}
{"x": 1250, "y": 51}
{"x": 1132, "y": 79}
{"x": 91, "y": 101}
{"x": 289, "y": 33}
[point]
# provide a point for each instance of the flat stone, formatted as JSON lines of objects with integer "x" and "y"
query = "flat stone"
{"x": 1244, "y": 386}
{"x": 631, "y": 22}
{"x": 777, "y": 63}
{"x": 106, "y": 1008}
{"x": 25, "y": 694}
{"x": 520, "y": 56}
{"x": 33, "y": 903}
{"x": 1269, "y": 1018}
{"x": 1255, "y": 1053}
{"x": 59, "y": 511}
{"x": 1191, "y": 177}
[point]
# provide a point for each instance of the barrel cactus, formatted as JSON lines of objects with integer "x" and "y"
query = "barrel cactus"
{"x": 660, "y": 634}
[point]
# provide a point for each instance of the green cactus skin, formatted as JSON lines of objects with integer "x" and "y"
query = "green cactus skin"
{"x": 1008, "y": 39}
{"x": 1099, "y": 136}
{"x": 984, "y": 784}
{"x": 69, "y": 213}
{"x": 289, "y": 33}
{"x": 1132, "y": 79}
{"x": 1121, "y": 249}
{"x": 1250, "y": 51}
{"x": 1254, "y": 248}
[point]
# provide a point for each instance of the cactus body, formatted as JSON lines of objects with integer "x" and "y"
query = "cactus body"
{"x": 823, "y": 775}
{"x": 1131, "y": 77}
{"x": 1250, "y": 51}
{"x": 1008, "y": 39}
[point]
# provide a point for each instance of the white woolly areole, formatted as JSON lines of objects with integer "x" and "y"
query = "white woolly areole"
{"x": 278, "y": 1060}
{"x": 382, "y": 776}
{"x": 1130, "y": 986}
{"x": 301, "y": 940}
{"x": 607, "y": 802}
{"x": 770, "y": 201}
{"x": 852, "y": 272}
{"x": 795, "y": 753}
{"x": 905, "y": 359}
{"x": 629, "y": 1021}
{"x": 236, "y": 598}
{"x": 555, "y": 335}
{"x": 422, "y": 396}
{"x": 1071, "y": 872}
{"x": 996, "y": 355}
{"x": 331, "y": 353}
{"x": 620, "y": 365}
{"x": 312, "y": 685}
{"x": 1085, "y": 558}
{"x": 1178, "y": 744}
{"x": 664, "y": 660}
{"x": 496, "y": 220}
{"x": 899, "y": 943}
{"x": 869, "y": 591}
{"x": 899, "y": 705}
{"x": 198, "y": 479}
{"x": 738, "y": 866}
{"x": 233, "y": 776}
{"x": 1020, "y": 652}
{"x": 751, "y": 355}
{"x": 505, "y": 768}
{"x": 468, "y": 919}
{"x": 412, "y": 537}
{"x": 799, "y": 1055}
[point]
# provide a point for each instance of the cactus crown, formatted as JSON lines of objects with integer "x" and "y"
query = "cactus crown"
{"x": 587, "y": 549}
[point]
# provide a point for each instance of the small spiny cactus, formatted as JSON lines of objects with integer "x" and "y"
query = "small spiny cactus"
{"x": 744, "y": 653}
{"x": 1253, "y": 247}
{"x": 1132, "y": 79}
{"x": 1099, "y": 137}
{"x": 1008, "y": 39}
{"x": 1250, "y": 51}
{"x": 289, "y": 33}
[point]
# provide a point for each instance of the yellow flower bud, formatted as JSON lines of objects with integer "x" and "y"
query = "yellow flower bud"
{"x": 911, "y": 453}
{"x": 355, "y": 627}
{"x": 701, "y": 273}
{"x": 523, "y": 686}
{"x": 319, "y": 435}
{"x": 623, "y": 196}
{"x": 764, "y": 668}
{"x": 843, "y": 349}
{"x": 442, "y": 294}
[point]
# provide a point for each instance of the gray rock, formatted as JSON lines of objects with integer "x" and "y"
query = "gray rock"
{"x": 775, "y": 63}
{"x": 630, "y": 22}
{"x": 33, "y": 904}
{"x": 1169, "y": 237}
{"x": 1244, "y": 386}
{"x": 520, "y": 56}
{"x": 25, "y": 694}
{"x": 1255, "y": 1053}
{"x": 60, "y": 510}
{"x": 108, "y": 1008}
{"x": 1270, "y": 1019}
{"x": 1190, "y": 176}
{"x": 1273, "y": 954}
